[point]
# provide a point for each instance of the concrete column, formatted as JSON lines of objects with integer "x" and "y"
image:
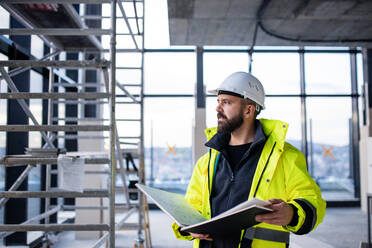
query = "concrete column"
{"x": 304, "y": 140}
{"x": 368, "y": 82}
{"x": 198, "y": 141}
{"x": 91, "y": 147}
{"x": 365, "y": 143}
{"x": 354, "y": 127}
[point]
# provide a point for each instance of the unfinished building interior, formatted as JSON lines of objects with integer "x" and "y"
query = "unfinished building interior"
{"x": 118, "y": 89}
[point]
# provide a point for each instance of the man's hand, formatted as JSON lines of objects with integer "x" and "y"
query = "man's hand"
{"x": 201, "y": 236}
{"x": 282, "y": 215}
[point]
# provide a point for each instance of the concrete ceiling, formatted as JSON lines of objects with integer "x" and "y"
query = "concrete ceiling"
{"x": 233, "y": 22}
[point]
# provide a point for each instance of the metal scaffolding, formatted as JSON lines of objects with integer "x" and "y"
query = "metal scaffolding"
{"x": 121, "y": 148}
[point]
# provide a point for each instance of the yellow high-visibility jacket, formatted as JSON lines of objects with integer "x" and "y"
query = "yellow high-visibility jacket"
{"x": 281, "y": 173}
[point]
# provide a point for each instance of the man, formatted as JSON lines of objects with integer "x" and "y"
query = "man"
{"x": 250, "y": 158}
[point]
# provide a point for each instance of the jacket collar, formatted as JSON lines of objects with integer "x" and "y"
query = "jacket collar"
{"x": 220, "y": 141}
{"x": 270, "y": 128}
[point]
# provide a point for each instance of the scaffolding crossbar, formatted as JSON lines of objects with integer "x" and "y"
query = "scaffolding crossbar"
{"x": 66, "y": 1}
{"x": 22, "y": 160}
{"x": 55, "y": 31}
{"x": 131, "y": 85}
{"x": 78, "y": 84}
{"x": 54, "y": 227}
{"x": 16, "y": 71}
{"x": 72, "y": 137}
{"x": 34, "y": 219}
{"x": 125, "y": 50}
{"x": 55, "y": 63}
{"x": 97, "y": 17}
{"x": 88, "y": 193}
{"x": 53, "y": 128}
{"x": 26, "y": 95}
{"x": 121, "y": 207}
{"x": 80, "y": 102}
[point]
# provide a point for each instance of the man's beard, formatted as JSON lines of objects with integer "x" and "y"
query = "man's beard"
{"x": 229, "y": 125}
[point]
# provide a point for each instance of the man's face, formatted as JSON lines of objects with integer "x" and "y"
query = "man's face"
{"x": 230, "y": 114}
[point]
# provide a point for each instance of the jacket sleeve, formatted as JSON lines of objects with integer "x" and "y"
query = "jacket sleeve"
{"x": 194, "y": 193}
{"x": 303, "y": 193}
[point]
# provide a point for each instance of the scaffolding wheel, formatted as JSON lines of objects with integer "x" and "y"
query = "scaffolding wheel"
{"x": 138, "y": 245}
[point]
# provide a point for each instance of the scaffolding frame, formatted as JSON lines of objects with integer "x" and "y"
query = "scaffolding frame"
{"x": 32, "y": 161}
{"x": 116, "y": 151}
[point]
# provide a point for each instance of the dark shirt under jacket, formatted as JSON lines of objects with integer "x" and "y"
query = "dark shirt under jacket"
{"x": 233, "y": 179}
{"x": 235, "y": 154}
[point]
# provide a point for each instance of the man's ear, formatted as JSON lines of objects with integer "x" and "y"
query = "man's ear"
{"x": 250, "y": 109}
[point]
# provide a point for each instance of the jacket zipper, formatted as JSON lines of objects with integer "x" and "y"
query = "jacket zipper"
{"x": 267, "y": 162}
{"x": 209, "y": 162}
{"x": 258, "y": 184}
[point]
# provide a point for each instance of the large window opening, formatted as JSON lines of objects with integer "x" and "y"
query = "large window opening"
{"x": 323, "y": 110}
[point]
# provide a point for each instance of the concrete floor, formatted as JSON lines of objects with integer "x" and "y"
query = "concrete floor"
{"x": 341, "y": 228}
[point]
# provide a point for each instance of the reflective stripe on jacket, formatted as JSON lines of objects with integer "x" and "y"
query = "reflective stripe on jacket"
{"x": 281, "y": 173}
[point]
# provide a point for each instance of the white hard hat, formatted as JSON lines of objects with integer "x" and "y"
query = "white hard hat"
{"x": 245, "y": 85}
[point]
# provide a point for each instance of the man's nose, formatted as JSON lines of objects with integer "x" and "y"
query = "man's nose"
{"x": 218, "y": 108}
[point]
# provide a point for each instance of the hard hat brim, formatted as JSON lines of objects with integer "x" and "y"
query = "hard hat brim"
{"x": 214, "y": 92}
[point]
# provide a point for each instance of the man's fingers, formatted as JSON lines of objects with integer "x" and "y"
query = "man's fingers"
{"x": 282, "y": 214}
{"x": 275, "y": 200}
{"x": 275, "y": 221}
{"x": 263, "y": 217}
{"x": 206, "y": 237}
{"x": 277, "y": 206}
{"x": 201, "y": 236}
{"x": 197, "y": 235}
